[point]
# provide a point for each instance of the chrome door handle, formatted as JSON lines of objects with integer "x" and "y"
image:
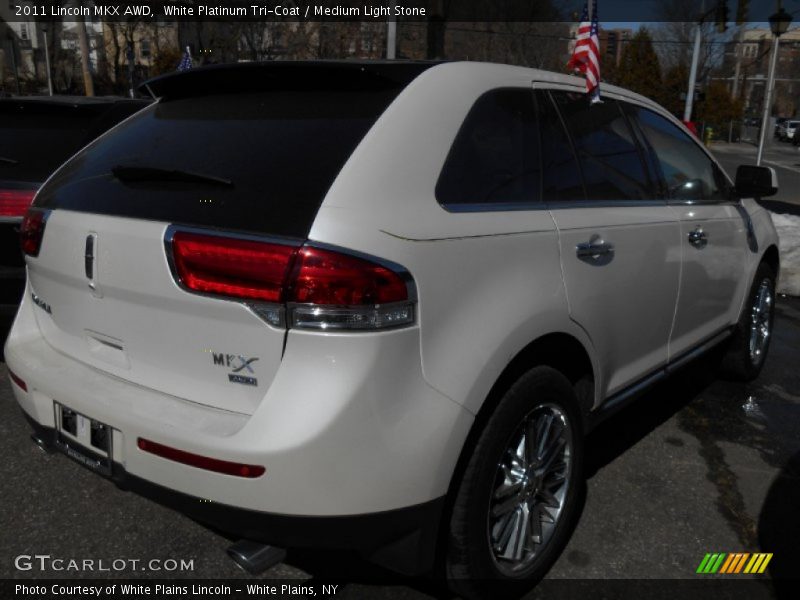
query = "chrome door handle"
{"x": 698, "y": 237}
{"x": 594, "y": 249}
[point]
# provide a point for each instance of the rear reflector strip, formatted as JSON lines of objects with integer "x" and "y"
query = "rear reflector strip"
{"x": 201, "y": 462}
{"x": 14, "y": 203}
{"x": 16, "y": 379}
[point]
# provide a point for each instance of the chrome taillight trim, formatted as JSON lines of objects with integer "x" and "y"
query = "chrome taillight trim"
{"x": 285, "y": 316}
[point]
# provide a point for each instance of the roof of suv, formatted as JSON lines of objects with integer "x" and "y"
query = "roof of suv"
{"x": 335, "y": 74}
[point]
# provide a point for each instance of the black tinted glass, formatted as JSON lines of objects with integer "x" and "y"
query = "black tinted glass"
{"x": 495, "y": 156}
{"x": 37, "y": 136}
{"x": 35, "y": 144}
{"x": 281, "y": 152}
{"x": 561, "y": 177}
{"x": 610, "y": 159}
{"x": 689, "y": 174}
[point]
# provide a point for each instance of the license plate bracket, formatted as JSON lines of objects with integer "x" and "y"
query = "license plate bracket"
{"x": 85, "y": 440}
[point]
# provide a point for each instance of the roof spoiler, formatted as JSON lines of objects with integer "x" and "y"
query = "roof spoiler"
{"x": 285, "y": 75}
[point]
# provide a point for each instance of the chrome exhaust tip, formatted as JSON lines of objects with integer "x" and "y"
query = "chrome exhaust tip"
{"x": 255, "y": 557}
{"x": 41, "y": 444}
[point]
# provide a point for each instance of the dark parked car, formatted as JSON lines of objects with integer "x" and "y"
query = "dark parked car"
{"x": 38, "y": 134}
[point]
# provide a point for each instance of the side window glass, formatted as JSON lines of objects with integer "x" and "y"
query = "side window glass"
{"x": 689, "y": 174}
{"x": 650, "y": 158}
{"x": 561, "y": 177}
{"x": 495, "y": 157}
{"x": 610, "y": 159}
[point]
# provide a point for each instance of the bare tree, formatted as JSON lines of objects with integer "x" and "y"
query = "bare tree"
{"x": 675, "y": 36}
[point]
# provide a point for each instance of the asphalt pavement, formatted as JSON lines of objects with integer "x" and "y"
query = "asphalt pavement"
{"x": 698, "y": 465}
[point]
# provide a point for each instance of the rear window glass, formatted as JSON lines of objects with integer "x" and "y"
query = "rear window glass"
{"x": 611, "y": 162}
{"x": 561, "y": 175}
{"x": 279, "y": 150}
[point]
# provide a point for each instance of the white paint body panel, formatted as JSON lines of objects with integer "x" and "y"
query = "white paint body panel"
{"x": 712, "y": 285}
{"x": 627, "y": 302}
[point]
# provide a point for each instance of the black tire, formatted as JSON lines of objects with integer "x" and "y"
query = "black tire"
{"x": 739, "y": 362}
{"x": 472, "y": 569}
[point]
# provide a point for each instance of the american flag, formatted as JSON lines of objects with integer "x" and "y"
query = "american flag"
{"x": 186, "y": 61}
{"x": 586, "y": 55}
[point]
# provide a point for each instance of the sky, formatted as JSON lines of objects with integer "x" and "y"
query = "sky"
{"x": 616, "y": 11}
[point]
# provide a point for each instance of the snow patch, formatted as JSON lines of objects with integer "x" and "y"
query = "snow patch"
{"x": 788, "y": 227}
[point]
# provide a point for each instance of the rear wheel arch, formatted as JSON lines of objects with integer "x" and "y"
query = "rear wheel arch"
{"x": 772, "y": 258}
{"x": 561, "y": 351}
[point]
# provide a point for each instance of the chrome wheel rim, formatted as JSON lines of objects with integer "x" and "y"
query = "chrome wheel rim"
{"x": 530, "y": 489}
{"x": 760, "y": 321}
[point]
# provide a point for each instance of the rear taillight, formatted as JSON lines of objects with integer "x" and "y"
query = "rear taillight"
{"x": 333, "y": 290}
{"x": 14, "y": 203}
{"x": 237, "y": 268}
{"x": 32, "y": 231}
{"x": 319, "y": 288}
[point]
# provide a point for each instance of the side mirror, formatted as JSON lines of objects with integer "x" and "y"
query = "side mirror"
{"x": 756, "y": 182}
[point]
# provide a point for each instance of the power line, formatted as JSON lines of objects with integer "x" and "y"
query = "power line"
{"x": 572, "y": 38}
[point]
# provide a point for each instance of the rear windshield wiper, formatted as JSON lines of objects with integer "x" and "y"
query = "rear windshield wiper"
{"x": 8, "y": 161}
{"x": 131, "y": 173}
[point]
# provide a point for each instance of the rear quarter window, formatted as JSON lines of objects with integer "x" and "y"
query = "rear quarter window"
{"x": 495, "y": 158}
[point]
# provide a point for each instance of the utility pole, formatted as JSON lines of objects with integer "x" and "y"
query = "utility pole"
{"x": 47, "y": 61}
{"x": 698, "y": 38}
{"x": 773, "y": 60}
{"x": 738, "y": 71}
{"x": 779, "y": 24}
{"x": 131, "y": 69}
{"x": 12, "y": 45}
{"x": 83, "y": 40}
{"x": 391, "y": 34}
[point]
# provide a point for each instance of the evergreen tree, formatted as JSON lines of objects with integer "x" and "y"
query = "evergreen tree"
{"x": 719, "y": 108}
{"x": 673, "y": 92}
{"x": 639, "y": 69}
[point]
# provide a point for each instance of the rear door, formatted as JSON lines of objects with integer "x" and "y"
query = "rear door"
{"x": 619, "y": 242}
{"x": 713, "y": 234}
{"x": 251, "y": 164}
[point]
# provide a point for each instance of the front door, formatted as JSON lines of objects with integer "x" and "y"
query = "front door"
{"x": 713, "y": 234}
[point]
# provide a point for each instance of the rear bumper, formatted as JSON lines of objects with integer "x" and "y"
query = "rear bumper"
{"x": 403, "y": 540}
{"x": 359, "y": 450}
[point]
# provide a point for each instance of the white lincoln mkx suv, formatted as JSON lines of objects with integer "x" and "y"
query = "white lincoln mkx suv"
{"x": 377, "y": 306}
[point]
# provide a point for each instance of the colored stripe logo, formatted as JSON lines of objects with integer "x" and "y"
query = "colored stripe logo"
{"x": 734, "y": 563}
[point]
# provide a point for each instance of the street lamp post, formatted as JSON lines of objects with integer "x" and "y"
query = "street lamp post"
{"x": 47, "y": 61}
{"x": 779, "y": 23}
